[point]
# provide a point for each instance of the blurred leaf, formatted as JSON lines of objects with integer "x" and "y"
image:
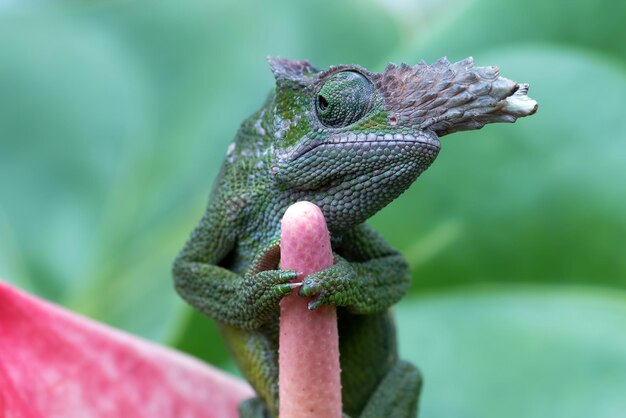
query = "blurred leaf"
{"x": 518, "y": 352}
{"x": 485, "y": 24}
{"x": 114, "y": 119}
{"x": 58, "y": 364}
{"x": 536, "y": 201}
{"x": 70, "y": 109}
{"x": 11, "y": 263}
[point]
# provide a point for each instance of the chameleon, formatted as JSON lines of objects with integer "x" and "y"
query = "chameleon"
{"x": 350, "y": 141}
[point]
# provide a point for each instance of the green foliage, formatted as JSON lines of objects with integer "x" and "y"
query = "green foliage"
{"x": 115, "y": 116}
{"x": 516, "y": 351}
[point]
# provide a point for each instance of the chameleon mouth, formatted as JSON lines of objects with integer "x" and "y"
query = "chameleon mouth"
{"x": 383, "y": 139}
{"x": 425, "y": 140}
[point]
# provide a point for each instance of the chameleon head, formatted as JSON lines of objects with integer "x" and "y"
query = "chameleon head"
{"x": 351, "y": 140}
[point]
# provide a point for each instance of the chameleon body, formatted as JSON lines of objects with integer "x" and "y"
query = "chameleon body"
{"x": 350, "y": 141}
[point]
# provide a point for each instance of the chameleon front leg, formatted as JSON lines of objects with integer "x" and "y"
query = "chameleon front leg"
{"x": 368, "y": 275}
{"x": 245, "y": 302}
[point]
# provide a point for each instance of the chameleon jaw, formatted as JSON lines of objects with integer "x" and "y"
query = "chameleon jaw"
{"x": 425, "y": 138}
{"x": 348, "y": 155}
{"x": 384, "y": 139}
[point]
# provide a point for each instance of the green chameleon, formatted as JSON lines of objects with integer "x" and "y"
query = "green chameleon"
{"x": 350, "y": 141}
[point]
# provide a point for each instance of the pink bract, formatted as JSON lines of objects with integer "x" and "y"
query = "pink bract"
{"x": 54, "y": 363}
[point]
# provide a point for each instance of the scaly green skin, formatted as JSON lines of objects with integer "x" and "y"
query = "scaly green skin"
{"x": 350, "y": 141}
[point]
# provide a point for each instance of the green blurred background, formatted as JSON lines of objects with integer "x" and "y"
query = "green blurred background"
{"x": 115, "y": 116}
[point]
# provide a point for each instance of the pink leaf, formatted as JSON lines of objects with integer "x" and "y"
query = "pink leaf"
{"x": 54, "y": 363}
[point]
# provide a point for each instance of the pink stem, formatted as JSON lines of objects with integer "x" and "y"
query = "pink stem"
{"x": 309, "y": 375}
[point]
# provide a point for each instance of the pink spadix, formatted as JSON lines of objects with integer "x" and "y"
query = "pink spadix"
{"x": 309, "y": 373}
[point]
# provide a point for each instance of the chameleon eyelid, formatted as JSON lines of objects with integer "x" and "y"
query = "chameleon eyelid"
{"x": 349, "y": 100}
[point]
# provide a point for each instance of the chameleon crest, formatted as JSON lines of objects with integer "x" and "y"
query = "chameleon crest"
{"x": 350, "y": 141}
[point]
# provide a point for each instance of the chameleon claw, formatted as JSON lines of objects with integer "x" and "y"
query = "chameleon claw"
{"x": 308, "y": 290}
{"x": 288, "y": 275}
{"x": 314, "y": 304}
{"x": 284, "y": 289}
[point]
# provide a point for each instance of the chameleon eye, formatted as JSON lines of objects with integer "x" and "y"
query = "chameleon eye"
{"x": 322, "y": 103}
{"x": 344, "y": 99}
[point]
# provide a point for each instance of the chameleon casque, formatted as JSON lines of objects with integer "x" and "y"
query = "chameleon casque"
{"x": 350, "y": 141}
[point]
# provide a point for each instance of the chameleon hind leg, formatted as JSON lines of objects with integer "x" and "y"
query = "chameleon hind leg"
{"x": 376, "y": 383}
{"x": 256, "y": 353}
{"x": 397, "y": 395}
